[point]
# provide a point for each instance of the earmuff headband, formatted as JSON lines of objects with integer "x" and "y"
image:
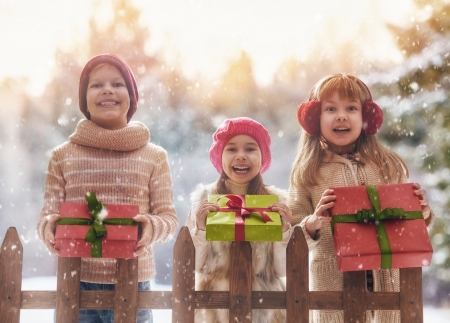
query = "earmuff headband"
{"x": 308, "y": 115}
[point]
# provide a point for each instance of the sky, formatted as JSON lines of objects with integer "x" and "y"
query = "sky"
{"x": 203, "y": 36}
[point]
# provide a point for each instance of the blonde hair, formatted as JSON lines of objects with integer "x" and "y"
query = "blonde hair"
{"x": 255, "y": 187}
{"x": 311, "y": 150}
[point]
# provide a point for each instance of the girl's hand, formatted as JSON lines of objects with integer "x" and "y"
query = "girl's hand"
{"x": 147, "y": 233}
{"x": 202, "y": 212}
{"x": 321, "y": 214}
{"x": 285, "y": 213}
{"x": 420, "y": 192}
{"x": 49, "y": 233}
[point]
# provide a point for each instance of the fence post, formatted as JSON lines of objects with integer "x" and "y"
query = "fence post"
{"x": 183, "y": 280}
{"x": 240, "y": 282}
{"x": 297, "y": 279}
{"x": 354, "y": 297}
{"x": 411, "y": 306}
{"x": 11, "y": 256}
{"x": 126, "y": 291}
{"x": 68, "y": 290}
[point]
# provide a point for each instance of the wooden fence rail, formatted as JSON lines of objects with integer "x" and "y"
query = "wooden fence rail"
{"x": 125, "y": 300}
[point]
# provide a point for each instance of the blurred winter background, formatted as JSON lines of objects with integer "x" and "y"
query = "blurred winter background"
{"x": 198, "y": 62}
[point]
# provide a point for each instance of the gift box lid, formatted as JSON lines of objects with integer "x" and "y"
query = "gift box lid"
{"x": 251, "y": 201}
{"x": 80, "y": 210}
{"x": 351, "y": 199}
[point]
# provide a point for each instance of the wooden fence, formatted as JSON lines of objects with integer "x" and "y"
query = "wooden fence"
{"x": 354, "y": 300}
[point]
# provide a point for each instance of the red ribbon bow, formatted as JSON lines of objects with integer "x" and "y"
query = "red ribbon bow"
{"x": 236, "y": 204}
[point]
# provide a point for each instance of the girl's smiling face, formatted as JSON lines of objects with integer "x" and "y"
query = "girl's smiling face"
{"x": 341, "y": 122}
{"x": 241, "y": 159}
{"x": 107, "y": 97}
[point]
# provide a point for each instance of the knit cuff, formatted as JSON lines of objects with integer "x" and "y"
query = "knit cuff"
{"x": 153, "y": 238}
{"x": 40, "y": 228}
{"x": 312, "y": 242}
{"x": 430, "y": 220}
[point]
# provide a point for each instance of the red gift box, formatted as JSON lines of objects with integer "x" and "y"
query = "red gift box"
{"x": 119, "y": 242}
{"x": 400, "y": 240}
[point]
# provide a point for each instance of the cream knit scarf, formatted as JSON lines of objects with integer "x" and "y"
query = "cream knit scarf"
{"x": 133, "y": 136}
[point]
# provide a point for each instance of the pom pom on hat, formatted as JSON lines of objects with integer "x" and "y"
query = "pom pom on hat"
{"x": 126, "y": 74}
{"x": 240, "y": 126}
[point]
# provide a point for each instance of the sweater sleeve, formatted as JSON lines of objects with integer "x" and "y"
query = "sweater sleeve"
{"x": 199, "y": 240}
{"x": 300, "y": 203}
{"x": 162, "y": 211}
{"x": 54, "y": 193}
{"x": 430, "y": 219}
{"x": 279, "y": 253}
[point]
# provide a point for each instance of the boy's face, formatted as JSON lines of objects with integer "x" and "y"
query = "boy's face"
{"x": 241, "y": 159}
{"x": 107, "y": 97}
{"x": 341, "y": 123}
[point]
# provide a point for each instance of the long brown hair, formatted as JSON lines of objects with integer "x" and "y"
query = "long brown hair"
{"x": 311, "y": 150}
{"x": 255, "y": 187}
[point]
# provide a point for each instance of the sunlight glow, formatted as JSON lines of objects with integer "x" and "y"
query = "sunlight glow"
{"x": 203, "y": 36}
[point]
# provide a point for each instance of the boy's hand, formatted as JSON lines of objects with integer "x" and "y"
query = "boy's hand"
{"x": 285, "y": 213}
{"x": 202, "y": 212}
{"x": 420, "y": 192}
{"x": 147, "y": 233}
{"x": 49, "y": 233}
{"x": 321, "y": 215}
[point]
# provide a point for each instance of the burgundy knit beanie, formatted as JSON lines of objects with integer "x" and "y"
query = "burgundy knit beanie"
{"x": 240, "y": 126}
{"x": 126, "y": 74}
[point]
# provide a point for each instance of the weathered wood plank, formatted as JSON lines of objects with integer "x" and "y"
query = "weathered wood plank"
{"x": 68, "y": 290}
{"x": 272, "y": 300}
{"x": 11, "y": 255}
{"x": 126, "y": 289}
{"x": 382, "y": 301}
{"x": 212, "y": 299}
{"x": 94, "y": 299}
{"x": 102, "y": 300}
{"x": 354, "y": 296}
{"x": 240, "y": 282}
{"x": 411, "y": 304}
{"x": 154, "y": 300}
{"x": 183, "y": 281}
{"x": 325, "y": 300}
{"x": 297, "y": 274}
{"x": 35, "y": 299}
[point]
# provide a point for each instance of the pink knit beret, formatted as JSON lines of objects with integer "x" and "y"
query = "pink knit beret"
{"x": 126, "y": 74}
{"x": 240, "y": 126}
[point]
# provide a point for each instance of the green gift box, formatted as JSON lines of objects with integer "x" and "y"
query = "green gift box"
{"x": 243, "y": 218}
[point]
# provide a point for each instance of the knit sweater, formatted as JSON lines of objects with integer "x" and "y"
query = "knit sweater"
{"x": 337, "y": 171}
{"x": 213, "y": 259}
{"x": 121, "y": 167}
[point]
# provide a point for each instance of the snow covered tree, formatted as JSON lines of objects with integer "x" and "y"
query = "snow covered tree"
{"x": 416, "y": 95}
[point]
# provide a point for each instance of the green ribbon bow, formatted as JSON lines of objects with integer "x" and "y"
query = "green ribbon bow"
{"x": 97, "y": 225}
{"x": 378, "y": 216}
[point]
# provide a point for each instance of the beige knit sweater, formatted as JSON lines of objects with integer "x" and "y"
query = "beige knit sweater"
{"x": 325, "y": 276}
{"x": 121, "y": 167}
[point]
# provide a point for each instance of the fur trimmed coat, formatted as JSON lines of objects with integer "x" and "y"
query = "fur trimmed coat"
{"x": 213, "y": 258}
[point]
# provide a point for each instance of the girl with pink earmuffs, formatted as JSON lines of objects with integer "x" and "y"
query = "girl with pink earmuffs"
{"x": 338, "y": 147}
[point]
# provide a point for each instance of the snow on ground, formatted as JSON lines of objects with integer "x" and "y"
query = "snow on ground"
{"x": 431, "y": 315}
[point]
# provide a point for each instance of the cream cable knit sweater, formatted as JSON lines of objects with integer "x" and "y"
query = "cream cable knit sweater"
{"x": 324, "y": 274}
{"x": 121, "y": 167}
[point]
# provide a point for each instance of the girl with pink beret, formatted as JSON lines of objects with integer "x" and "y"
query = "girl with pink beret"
{"x": 240, "y": 152}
